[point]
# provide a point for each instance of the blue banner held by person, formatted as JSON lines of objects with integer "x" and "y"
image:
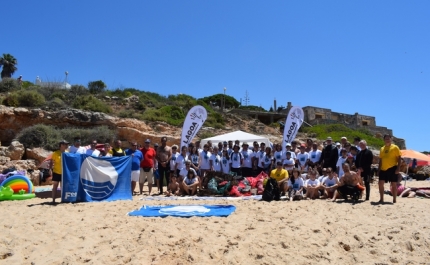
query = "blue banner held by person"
{"x": 87, "y": 178}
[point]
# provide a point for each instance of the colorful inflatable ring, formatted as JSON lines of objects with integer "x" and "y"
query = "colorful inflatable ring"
{"x": 17, "y": 183}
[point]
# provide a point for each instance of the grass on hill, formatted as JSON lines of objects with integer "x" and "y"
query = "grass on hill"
{"x": 337, "y": 131}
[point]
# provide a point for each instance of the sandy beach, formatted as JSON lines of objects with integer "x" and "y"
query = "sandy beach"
{"x": 304, "y": 232}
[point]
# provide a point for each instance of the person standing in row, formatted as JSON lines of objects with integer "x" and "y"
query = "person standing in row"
{"x": 247, "y": 160}
{"x": 164, "y": 154}
{"x": 147, "y": 166}
{"x": 389, "y": 167}
{"x": 329, "y": 155}
{"x": 364, "y": 163}
{"x": 57, "y": 167}
{"x": 117, "y": 150}
{"x": 137, "y": 157}
{"x": 76, "y": 148}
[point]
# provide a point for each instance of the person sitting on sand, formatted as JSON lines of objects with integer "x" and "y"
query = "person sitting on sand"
{"x": 312, "y": 185}
{"x": 412, "y": 192}
{"x": 329, "y": 183}
{"x": 190, "y": 183}
{"x": 281, "y": 176}
{"x": 295, "y": 186}
{"x": 350, "y": 181}
{"x": 173, "y": 187}
{"x": 400, "y": 187}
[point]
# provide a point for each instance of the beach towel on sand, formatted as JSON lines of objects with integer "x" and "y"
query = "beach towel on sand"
{"x": 184, "y": 210}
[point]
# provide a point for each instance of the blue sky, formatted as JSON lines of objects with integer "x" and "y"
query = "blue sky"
{"x": 370, "y": 57}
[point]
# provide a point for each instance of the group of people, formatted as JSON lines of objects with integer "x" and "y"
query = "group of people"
{"x": 299, "y": 168}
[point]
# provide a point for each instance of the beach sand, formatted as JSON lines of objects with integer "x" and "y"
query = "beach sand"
{"x": 304, "y": 232}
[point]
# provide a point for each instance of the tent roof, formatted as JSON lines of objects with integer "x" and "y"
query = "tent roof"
{"x": 237, "y": 135}
{"x": 414, "y": 154}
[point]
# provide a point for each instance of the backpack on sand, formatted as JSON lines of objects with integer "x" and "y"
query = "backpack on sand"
{"x": 271, "y": 191}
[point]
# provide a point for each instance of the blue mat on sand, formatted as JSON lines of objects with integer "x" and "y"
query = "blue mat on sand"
{"x": 184, "y": 210}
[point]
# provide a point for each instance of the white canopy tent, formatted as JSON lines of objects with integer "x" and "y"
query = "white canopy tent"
{"x": 237, "y": 135}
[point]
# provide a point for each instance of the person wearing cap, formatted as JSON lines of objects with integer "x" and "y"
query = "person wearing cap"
{"x": 343, "y": 141}
{"x": 147, "y": 166}
{"x": 342, "y": 159}
{"x": 57, "y": 167}
{"x": 329, "y": 155}
{"x": 351, "y": 162}
{"x": 136, "y": 159}
{"x": 224, "y": 146}
{"x": 281, "y": 176}
{"x": 288, "y": 149}
{"x": 303, "y": 158}
{"x": 247, "y": 160}
{"x": 363, "y": 163}
{"x": 236, "y": 161}
{"x": 175, "y": 155}
{"x": 93, "y": 149}
{"x": 76, "y": 148}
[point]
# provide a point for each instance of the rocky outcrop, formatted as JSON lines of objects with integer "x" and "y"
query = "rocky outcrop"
{"x": 13, "y": 120}
{"x": 37, "y": 154}
{"x": 14, "y": 152}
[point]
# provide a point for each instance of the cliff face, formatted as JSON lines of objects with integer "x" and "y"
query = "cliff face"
{"x": 13, "y": 120}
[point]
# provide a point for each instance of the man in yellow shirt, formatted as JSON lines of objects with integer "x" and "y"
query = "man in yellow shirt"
{"x": 281, "y": 176}
{"x": 117, "y": 150}
{"x": 389, "y": 165}
{"x": 57, "y": 167}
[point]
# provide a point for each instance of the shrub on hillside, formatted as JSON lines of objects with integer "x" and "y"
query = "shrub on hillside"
{"x": 11, "y": 100}
{"x": 8, "y": 84}
{"x": 56, "y": 103}
{"x": 29, "y": 98}
{"x": 101, "y": 133}
{"x": 40, "y": 135}
{"x": 48, "y": 137}
{"x": 91, "y": 103}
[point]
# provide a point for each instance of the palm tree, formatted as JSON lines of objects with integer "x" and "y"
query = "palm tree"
{"x": 9, "y": 65}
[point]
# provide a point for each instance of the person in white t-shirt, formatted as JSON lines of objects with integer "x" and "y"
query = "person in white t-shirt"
{"x": 295, "y": 186}
{"x": 312, "y": 185}
{"x": 303, "y": 159}
{"x": 340, "y": 162}
{"x": 216, "y": 160}
{"x": 267, "y": 161}
{"x": 76, "y": 148}
{"x": 172, "y": 161}
{"x": 278, "y": 154}
{"x": 205, "y": 164}
{"x": 225, "y": 162}
{"x": 289, "y": 163}
{"x": 93, "y": 151}
{"x": 314, "y": 156}
{"x": 236, "y": 160}
{"x": 247, "y": 160}
{"x": 330, "y": 183}
{"x": 180, "y": 161}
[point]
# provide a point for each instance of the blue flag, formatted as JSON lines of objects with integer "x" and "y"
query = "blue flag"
{"x": 87, "y": 178}
{"x": 201, "y": 210}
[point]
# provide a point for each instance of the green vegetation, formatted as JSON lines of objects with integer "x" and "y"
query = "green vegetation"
{"x": 96, "y": 87}
{"x": 336, "y": 131}
{"x": 8, "y": 84}
{"x": 24, "y": 99}
{"x": 217, "y": 99}
{"x": 91, "y": 103}
{"x": 48, "y": 137}
{"x": 251, "y": 107}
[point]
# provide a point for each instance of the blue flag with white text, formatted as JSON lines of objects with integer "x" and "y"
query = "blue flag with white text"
{"x": 87, "y": 178}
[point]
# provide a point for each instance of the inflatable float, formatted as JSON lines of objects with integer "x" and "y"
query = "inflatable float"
{"x": 17, "y": 187}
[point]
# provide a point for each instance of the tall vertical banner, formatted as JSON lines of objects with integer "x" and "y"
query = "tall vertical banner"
{"x": 292, "y": 125}
{"x": 192, "y": 124}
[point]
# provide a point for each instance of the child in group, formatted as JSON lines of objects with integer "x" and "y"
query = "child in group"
{"x": 190, "y": 183}
{"x": 295, "y": 186}
{"x": 312, "y": 185}
{"x": 173, "y": 188}
{"x": 330, "y": 183}
{"x": 225, "y": 162}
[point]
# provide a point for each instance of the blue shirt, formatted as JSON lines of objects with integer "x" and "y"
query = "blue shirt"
{"x": 138, "y": 156}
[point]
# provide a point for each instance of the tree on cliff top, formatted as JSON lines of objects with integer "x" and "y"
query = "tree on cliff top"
{"x": 96, "y": 87}
{"x": 8, "y": 63}
{"x": 217, "y": 99}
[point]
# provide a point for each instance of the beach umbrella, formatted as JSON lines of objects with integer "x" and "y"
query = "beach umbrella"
{"x": 414, "y": 154}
